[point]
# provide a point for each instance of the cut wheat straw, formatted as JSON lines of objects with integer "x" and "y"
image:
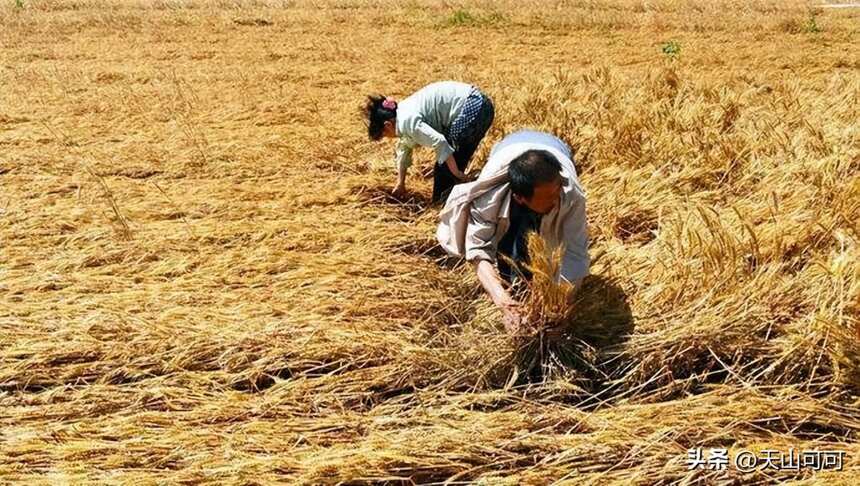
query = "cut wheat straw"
{"x": 279, "y": 319}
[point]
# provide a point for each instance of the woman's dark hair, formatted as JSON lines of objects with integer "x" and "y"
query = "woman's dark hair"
{"x": 531, "y": 168}
{"x": 375, "y": 115}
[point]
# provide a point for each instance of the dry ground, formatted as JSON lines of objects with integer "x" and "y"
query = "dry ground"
{"x": 203, "y": 280}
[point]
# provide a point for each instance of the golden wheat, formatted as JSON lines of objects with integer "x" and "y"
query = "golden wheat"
{"x": 278, "y": 318}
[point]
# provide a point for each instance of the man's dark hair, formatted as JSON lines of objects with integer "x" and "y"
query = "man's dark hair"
{"x": 531, "y": 168}
{"x": 375, "y": 115}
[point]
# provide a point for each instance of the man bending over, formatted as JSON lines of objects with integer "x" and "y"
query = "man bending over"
{"x": 528, "y": 184}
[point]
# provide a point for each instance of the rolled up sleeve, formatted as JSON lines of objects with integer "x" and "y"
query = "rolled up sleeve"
{"x": 480, "y": 234}
{"x": 427, "y": 136}
{"x": 576, "y": 262}
{"x": 403, "y": 156}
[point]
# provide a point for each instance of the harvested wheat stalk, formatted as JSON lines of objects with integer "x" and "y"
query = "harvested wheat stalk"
{"x": 547, "y": 300}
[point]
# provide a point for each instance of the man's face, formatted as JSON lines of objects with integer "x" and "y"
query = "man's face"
{"x": 545, "y": 197}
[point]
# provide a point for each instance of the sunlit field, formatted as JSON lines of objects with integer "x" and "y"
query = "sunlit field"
{"x": 205, "y": 279}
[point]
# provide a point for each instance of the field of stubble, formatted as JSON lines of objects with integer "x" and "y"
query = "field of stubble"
{"x": 203, "y": 280}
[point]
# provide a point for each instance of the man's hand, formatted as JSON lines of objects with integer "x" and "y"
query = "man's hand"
{"x": 492, "y": 283}
{"x": 513, "y": 317}
{"x": 556, "y": 332}
{"x": 573, "y": 296}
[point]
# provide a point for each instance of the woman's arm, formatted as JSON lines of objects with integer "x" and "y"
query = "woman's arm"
{"x": 425, "y": 135}
{"x": 452, "y": 166}
{"x": 403, "y": 159}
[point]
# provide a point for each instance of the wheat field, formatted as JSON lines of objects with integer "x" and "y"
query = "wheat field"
{"x": 204, "y": 280}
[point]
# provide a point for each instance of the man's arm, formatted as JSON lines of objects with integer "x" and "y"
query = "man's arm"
{"x": 576, "y": 263}
{"x": 481, "y": 249}
{"x": 489, "y": 277}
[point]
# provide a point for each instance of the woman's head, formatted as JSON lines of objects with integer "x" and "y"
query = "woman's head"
{"x": 380, "y": 113}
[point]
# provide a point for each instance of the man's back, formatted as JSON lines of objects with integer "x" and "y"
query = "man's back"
{"x": 531, "y": 137}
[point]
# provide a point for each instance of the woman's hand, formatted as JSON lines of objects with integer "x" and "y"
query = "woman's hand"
{"x": 400, "y": 188}
{"x": 455, "y": 171}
